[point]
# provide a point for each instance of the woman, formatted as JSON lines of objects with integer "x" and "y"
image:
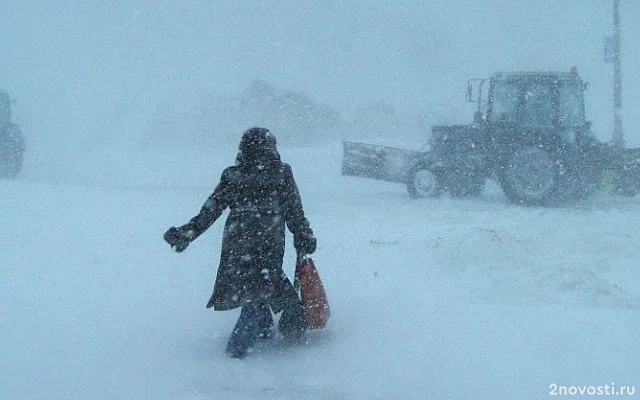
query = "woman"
{"x": 263, "y": 197}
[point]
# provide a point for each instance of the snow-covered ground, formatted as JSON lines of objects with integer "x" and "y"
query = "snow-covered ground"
{"x": 433, "y": 299}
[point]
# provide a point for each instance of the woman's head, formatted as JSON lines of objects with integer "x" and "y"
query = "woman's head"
{"x": 258, "y": 144}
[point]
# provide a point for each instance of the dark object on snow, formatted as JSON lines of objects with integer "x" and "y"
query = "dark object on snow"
{"x": 530, "y": 135}
{"x": 314, "y": 298}
{"x": 11, "y": 141}
{"x": 263, "y": 197}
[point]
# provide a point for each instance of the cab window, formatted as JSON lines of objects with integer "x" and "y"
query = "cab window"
{"x": 571, "y": 104}
{"x": 538, "y": 105}
{"x": 504, "y": 101}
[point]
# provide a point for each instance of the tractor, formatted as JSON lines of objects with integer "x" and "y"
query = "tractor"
{"x": 529, "y": 134}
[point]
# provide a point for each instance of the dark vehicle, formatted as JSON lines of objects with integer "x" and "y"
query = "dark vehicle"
{"x": 11, "y": 141}
{"x": 530, "y": 135}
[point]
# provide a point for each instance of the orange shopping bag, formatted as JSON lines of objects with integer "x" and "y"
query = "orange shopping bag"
{"x": 314, "y": 298}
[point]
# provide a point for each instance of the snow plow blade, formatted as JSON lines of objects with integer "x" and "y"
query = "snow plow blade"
{"x": 378, "y": 162}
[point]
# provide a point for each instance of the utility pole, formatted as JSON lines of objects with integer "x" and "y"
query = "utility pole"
{"x": 618, "y": 137}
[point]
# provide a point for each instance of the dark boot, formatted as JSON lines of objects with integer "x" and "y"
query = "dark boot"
{"x": 246, "y": 330}
{"x": 293, "y": 324}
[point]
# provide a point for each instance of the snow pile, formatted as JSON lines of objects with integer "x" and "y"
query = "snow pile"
{"x": 214, "y": 119}
{"x": 294, "y": 117}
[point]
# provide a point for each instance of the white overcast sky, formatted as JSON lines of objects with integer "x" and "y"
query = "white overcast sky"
{"x": 72, "y": 65}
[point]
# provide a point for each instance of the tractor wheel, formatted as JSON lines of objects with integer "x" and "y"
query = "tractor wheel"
{"x": 530, "y": 177}
{"x": 423, "y": 183}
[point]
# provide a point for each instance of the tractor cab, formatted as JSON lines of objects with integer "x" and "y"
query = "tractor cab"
{"x": 551, "y": 99}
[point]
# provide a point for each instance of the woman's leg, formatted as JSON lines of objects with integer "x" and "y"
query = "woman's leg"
{"x": 293, "y": 324}
{"x": 265, "y": 330}
{"x": 246, "y": 329}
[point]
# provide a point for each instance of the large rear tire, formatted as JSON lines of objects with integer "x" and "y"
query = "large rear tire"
{"x": 423, "y": 183}
{"x": 530, "y": 177}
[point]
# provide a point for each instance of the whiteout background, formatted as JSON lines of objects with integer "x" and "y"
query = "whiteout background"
{"x": 132, "y": 110}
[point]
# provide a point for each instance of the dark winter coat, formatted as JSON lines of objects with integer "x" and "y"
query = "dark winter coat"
{"x": 262, "y": 196}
